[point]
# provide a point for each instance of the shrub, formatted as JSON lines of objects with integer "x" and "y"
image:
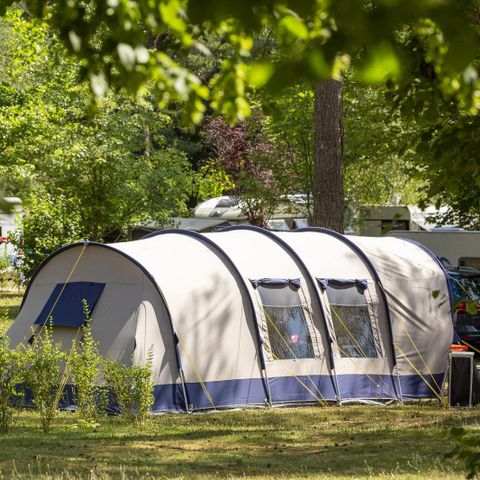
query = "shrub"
{"x": 467, "y": 450}
{"x": 85, "y": 360}
{"x": 11, "y": 375}
{"x": 44, "y": 375}
{"x": 132, "y": 387}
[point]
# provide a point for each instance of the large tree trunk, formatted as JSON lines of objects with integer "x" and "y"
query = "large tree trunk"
{"x": 328, "y": 200}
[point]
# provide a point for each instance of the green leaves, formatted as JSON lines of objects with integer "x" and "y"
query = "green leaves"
{"x": 132, "y": 386}
{"x": 259, "y": 74}
{"x": 471, "y": 307}
{"x": 12, "y": 365}
{"x": 84, "y": 361}
{"x": 381, "y": 64}
{"x": 294, "y": 25}
{"x": 466, "y": 449}
{"x": 44, "y": 373}
{"x": 83, "y": 174}
{"x": 110, "y": 44}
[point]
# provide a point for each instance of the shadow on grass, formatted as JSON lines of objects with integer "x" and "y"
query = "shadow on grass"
{"x": 359, "y": 441}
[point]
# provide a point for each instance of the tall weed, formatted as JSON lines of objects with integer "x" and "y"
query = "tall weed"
{"x": 44, "y": 374}
{"x": 85, "y": 360}
{"x": 132, "y": 387}
{"x": 12, "y": 363}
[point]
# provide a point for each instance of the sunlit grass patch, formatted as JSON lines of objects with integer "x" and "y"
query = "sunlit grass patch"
{"x": 10, "y": 300}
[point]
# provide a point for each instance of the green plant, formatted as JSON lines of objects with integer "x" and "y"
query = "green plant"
{"x": 85, "y": 360}
{"x": 4, "y": 270}
{"x": 132, "y": 387}
{"x": 44, "y": 373}
{"x": 467, "y": 450}
{"x": 11, "y": 375}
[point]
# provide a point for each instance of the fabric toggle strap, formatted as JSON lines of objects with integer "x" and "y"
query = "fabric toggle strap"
{"x": 276, "y": 282}
{"x": 342, "y": 283}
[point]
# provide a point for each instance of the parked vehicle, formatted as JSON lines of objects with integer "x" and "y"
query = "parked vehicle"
{"x": 465, "y": 285}
{"x": 457, "y": 247}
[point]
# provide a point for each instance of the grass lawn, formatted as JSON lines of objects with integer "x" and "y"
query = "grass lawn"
{"x": 10, "y": 300}
{"x": 348, "y": 442}
{"x": 407, "y": 442}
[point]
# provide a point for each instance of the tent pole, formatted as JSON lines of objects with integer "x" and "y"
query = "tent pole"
{"x": 306, "y": 274}
{"x": 330, "y": 351}
{"x": 242, "y": 283}
{"x": 184, "y": 391}
{"x": 378, "y": 281}
{"x": 181, "y": 373}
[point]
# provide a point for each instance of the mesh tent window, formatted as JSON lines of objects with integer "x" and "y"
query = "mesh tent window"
{"x": 287, "y": 328}
{"x": 350, "y": 317}
{"x": 65, "y": 305}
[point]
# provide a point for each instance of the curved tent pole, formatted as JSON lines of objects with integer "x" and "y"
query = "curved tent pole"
{"x": 219, "y": 251}
{"x": 309, "y": 279}
{"x": 146, "y": 273}
{"x": 45, "y": 261}
{"x": 377, "y": 279}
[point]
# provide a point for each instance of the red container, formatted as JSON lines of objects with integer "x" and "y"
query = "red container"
{"x": 458, "y": 348}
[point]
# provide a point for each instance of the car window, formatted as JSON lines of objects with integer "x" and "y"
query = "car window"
{"x": 465, "y": 287}
{"x": 466, "y": 323}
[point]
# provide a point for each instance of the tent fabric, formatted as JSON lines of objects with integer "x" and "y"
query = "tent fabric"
{"x": 65, "y": 307}
{"x": 247, "y": 317}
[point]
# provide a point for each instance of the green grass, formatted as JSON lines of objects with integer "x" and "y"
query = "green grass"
{"x": 10, "y": 300}
{"x": 302, "y": 443}
{"x": 348, "y": 442}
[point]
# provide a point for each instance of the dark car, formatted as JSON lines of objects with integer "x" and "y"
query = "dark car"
{"x": 465, "y": 285}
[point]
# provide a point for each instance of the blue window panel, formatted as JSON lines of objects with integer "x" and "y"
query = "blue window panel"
{"x": 65, "y": 305}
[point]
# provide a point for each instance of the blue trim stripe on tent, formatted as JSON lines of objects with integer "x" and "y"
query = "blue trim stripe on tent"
{"x": 238, "y": 393}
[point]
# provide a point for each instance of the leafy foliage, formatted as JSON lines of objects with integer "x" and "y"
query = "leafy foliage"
{"x": 466, "y": 450}
{"x": 43, "y": 375}
{"x": 48, "y": 224}
{"x": 257, "y": 170}
{"x": 132, "y": 386}
{"x": 11, "y": 374}
{"x": 380, "y": 165}
{"x": 313, "y": 40}
{"x": 444, "y": 107}
{"x": 82, "y": 174}
{"x": 380, "y": 168}
{"x": 289, "y": 125}
{"x": 85, "y": 360}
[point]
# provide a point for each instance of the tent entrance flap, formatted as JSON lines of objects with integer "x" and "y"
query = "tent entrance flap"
{"x": 65, "y": 306}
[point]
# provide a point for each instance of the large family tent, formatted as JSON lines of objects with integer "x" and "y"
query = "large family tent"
{"x": 248, "y": 317}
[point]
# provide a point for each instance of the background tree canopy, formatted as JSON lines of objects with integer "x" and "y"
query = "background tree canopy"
{"x": 116, "y": 112}
{"x": 310, "y": 40}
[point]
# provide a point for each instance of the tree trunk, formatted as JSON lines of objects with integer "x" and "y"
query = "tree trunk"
{"x": 328, "y": 200}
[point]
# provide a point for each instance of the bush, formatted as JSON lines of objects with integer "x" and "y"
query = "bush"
{"x": 132, "y": 387}
{"x": 85, "y": 360}
{"x": 467, "y": 450}
{"x": 11, "y": 374}
{"x": 44, "y": 375}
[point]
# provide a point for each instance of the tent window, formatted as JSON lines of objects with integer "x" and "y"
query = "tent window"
{"x": 287, "y": 327}
{"x": 65, "y": 304}
{"x": 351, "y": 318}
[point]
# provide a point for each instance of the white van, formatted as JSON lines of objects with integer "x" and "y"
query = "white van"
{"x": 459, "y": 248}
